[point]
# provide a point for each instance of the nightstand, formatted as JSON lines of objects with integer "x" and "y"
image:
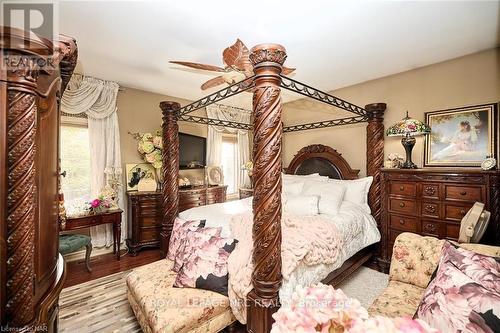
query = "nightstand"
{"x": 246, "y": 192}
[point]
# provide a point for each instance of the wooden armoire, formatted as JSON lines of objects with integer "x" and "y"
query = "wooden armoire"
{"x": 33, "y": 75}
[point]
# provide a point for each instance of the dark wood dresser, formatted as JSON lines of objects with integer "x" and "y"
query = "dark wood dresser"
{"x": 144, "y": 212}
{"x": 432, "y": 202}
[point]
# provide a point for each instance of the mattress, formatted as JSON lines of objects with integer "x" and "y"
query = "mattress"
{"x": 357, "y": 228}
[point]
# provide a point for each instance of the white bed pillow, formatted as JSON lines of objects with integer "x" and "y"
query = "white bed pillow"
{"x": 292, "y": 188}
{"x": 301, "y": 205}
{"x": 357, "y": 191}
{"x": 330, "y": 195}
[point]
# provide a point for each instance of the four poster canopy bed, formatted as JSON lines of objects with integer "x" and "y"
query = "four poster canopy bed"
{"x": 266, "y": 228}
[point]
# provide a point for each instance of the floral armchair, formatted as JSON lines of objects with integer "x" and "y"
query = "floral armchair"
{"x": 414, "y": 260}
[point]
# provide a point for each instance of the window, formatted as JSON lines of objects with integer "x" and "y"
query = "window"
{"x": 230, "y": 165}
{"x": 75, "y": 160}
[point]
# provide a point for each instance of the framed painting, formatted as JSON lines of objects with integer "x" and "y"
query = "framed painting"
{"x": 137, "y": 172}
{"x": 461, "y": 137}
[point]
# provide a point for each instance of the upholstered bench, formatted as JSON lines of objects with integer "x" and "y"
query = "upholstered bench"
{"x": 69, "y": 243}
{"x": 414, "y": 260}
{"x": 159, "y": 307}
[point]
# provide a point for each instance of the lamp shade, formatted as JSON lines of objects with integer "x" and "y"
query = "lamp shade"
{"x": 408, "y": 127}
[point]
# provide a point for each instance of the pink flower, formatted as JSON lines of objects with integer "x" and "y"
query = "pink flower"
{"x": 95, "y": 203}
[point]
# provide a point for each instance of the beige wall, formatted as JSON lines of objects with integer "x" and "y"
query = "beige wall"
{"x": 139, "y": 111}
{"x": 469, "y": 80}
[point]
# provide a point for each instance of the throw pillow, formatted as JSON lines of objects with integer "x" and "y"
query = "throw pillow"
{"x": 206, "y": 266}
{"x": 330, "y": 195}
{"x": 302, "y": 205}
{"x": 191, "y": 241}
{"x": 179, "y": 230}
{"x": 357, "y": 191}
{"x": 465, "y": 294}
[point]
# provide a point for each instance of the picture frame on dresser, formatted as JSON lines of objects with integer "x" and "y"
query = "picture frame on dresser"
{"x": 462, "y": 137}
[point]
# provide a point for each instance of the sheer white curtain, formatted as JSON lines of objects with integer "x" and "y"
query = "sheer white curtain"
{"x": 97, "y": 99}
{"x": 214, "y": 139}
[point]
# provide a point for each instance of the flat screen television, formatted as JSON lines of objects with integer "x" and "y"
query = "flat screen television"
{"x": 192, "y": 148}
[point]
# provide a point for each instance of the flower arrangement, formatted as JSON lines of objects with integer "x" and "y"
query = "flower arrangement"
{"x": 321, "y": 308}
{"x": 150, "y": 147}
{"x": 248, "y": 167}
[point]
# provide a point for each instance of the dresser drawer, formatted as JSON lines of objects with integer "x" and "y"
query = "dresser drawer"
{"x": 430, "y": 191}
{"x": 403, "y": 206}
{"x": 452, "y": 231}
{"x": 456, "y": 212}
{"x": 403, "y": 189}
{"x": 430, "y": 228}
{"x": 465, "y": 193}
{"x": 430, "y": 209}
{"x": 150, "y": 221}
{"x": 403, "y": 223}
{"x": 149, "y": 235}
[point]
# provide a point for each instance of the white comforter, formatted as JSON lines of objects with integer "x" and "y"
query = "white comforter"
{"x": 357, "y": 227}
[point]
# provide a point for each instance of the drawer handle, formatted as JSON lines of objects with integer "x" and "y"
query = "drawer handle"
{"x": 430, "y": 209}
{"x": 402, "y": 188}
{"x": 462, "y": 212}
{"x": 463, "y": 193}
{"x": 429, "y": 190}
{"x": 401, "y": 204}
{"x": 402, "y": 222}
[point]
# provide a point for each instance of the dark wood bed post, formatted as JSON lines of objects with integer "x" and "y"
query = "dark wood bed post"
{"x": 170, "y": 170}
{"x": 263, "y": 300}
{"x": 375, "y": 158}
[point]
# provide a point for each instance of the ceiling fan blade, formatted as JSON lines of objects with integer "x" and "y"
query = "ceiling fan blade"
{"x": 287, "y": 70}
{"x": 213, "y": 83}
{"x": 236, "y": 56}
{"x": 199, "y": 66}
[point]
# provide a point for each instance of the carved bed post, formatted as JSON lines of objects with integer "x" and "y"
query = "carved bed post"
{"x": 375, "y": 153}
{"x": 170, "y": 171}
{"x": 263, "y": 300}
{"x": 375, "y": 159}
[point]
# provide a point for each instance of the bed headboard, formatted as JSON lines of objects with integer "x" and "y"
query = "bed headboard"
{"x": 323, "y": 160}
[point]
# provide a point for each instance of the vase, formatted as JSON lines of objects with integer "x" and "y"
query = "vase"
{"x": 159, "y": 179}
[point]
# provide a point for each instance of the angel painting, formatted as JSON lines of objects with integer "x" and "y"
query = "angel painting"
{"x": 462, "y": 137}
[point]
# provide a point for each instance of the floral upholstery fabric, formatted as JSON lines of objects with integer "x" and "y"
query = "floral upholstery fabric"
{"x": 398, "y": 299}
{"x": 465, "y": 294}
{"x": 206, "y": 265}
{"x": 159, "y": 307}
{"x": 179, "y": 230}
{"x": 414, "y": 259}
{"x": 193, "y": 239}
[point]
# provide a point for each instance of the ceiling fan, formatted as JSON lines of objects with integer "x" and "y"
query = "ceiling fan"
{"x": 237, "y": 66}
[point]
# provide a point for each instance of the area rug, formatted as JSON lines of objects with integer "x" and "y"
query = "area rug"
{"x": 101, "y": 305}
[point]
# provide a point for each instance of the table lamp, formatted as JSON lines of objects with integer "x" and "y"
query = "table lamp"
{"x": 408, "y": 128}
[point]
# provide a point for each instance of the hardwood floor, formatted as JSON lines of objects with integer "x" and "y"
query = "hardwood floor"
{"x": 105, "y": 265}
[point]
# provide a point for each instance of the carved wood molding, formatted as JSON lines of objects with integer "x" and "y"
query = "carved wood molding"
{"x": 375, "y": 155}
{"x": 69, "y": 50}
{"x": 21, "y": 196}
{"x": 170, "y": 170}
{"x": 268, "y": 130}
{"x": 326, "y": 153}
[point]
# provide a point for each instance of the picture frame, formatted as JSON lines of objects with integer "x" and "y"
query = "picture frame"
{"x": 215, "y": 175}
{"x": 137, "y": 171}
{"x": 461, "y": 137}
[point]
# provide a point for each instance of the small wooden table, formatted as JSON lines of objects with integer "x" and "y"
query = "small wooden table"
{"x": 114, "y": 217}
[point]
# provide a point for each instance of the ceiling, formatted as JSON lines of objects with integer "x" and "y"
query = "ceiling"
{"x": 331, "y": 43}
